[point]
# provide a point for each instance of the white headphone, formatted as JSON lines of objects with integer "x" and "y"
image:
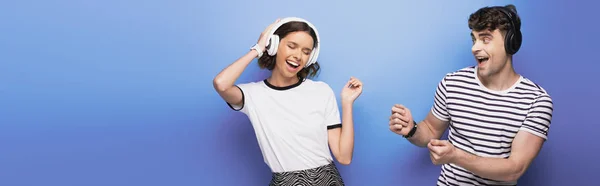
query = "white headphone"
{"x": 273, "y": 39}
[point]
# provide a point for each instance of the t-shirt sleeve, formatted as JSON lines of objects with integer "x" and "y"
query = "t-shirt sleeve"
{"x": 439, "y": 109}
{"x": 539, "y": 117}
{"x": 332, "y": 113}
{"x": 246, "y": 90}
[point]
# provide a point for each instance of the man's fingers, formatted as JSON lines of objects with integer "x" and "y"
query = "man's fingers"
{"x": 436, "y": 150}
{"x": 397, "y": 110}
{"x": 430, "y": 146}
{"x": 400, "y": 116}
{"x": 396, "y": 121}
{"x": 396, "y": 128}
{"x": 431, "y": 157}
{"x": 433, "y": 147}
{"x": 401, "y": 110}
{"x": 436, "y": 142}
{"x": 400, "y": 106}
{"x": 433, "y": 154}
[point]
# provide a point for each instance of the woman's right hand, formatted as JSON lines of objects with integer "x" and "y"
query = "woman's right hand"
{"x": 262, "y": 40}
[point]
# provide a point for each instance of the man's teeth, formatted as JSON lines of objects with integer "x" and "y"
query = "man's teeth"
{"x": 482, "y": 59}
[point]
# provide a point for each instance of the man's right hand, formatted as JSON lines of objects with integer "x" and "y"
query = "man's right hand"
{"x": 401, "y": 120}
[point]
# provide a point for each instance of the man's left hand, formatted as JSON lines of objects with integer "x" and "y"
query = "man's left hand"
{"x": 441, "y": 151}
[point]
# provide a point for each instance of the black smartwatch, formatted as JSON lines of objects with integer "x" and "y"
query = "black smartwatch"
{"x": 412, "y": 131}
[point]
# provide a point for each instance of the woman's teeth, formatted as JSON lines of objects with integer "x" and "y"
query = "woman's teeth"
{"x": 293, "y": 64}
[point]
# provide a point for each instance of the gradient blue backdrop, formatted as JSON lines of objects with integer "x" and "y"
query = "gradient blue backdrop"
{"x": 113, "y": 92}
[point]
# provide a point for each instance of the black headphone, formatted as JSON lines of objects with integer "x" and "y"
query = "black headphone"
{"x": 513, "y": 37}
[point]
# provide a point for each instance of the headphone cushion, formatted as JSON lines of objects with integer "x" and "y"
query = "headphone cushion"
{"x": 273, "y": 44}
{"x": 508, "y": 42}
{"x": 313, "y": 57}
{"x": 516, "y": 41}
{"x": 310, "y": 59}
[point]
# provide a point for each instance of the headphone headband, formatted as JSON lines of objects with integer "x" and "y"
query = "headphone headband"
{"x": 273, "y": 39}
{"x": 511, "y": 17}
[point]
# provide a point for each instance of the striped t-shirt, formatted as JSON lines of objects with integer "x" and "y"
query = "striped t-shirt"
{"x": 484, "y": 122}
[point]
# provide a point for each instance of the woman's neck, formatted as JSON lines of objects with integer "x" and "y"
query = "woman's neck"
{"x": 280, "y": 81}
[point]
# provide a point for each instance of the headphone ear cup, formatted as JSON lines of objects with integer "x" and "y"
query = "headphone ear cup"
{"x": 310, "y": 59}
{"x": 316, "y": 55}
{"x": 516, "y": 42}
{"x": 508, "y": 42}
{"x": 273, "y": 45}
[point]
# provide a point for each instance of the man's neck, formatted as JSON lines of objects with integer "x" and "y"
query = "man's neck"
{"x": 502, "y": 80}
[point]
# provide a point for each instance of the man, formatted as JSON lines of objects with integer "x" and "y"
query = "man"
{"x": 497, "y": 119}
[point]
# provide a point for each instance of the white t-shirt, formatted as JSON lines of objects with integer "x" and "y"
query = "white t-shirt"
{"x": 291, "y": 122}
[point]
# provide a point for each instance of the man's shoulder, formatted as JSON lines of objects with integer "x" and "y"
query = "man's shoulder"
{"x": 466, "y": 72}
{"x": 470, "y": 70}
{"x": 529, "y": 85}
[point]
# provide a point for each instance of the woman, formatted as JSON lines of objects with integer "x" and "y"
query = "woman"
{"x": 296, "y": 120}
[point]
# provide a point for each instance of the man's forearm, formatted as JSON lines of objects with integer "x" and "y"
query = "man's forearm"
{"x": 422, "y": 136}
{"x": 500, "y": 169}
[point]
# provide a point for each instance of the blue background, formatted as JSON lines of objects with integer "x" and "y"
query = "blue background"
{"x": 113, "y": 92}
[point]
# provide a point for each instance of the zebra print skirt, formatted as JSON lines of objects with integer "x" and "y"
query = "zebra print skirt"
{"x": 326, "y": 175}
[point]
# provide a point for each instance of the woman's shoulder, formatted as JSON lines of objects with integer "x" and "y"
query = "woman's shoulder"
{"x": 319, "y": 85}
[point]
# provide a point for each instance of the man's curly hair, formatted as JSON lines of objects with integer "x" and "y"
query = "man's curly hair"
{"x": 491, "y": 18}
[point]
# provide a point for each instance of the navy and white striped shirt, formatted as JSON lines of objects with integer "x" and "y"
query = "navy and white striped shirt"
{"x": 484, "y": 122}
